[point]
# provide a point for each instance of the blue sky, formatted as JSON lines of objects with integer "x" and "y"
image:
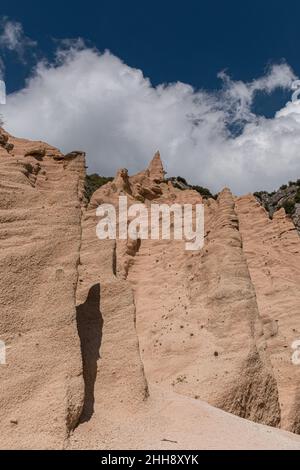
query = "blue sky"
{"x": 190, "y": 41}
{"x": 168, "y": 42}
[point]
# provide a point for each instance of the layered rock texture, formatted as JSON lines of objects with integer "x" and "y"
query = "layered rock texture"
{"x": 140, "y": 343}
{"x": 40, "y": 233}
{"x": 272, "y": 250}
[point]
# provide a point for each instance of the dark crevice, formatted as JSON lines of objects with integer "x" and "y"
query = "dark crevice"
{"x": 90, "y": 325}
{"x": 114, "y": 260}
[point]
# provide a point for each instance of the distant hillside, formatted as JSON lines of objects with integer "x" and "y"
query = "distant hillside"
{"x": 287, "y": 196}
{"x": 94, "y": 182}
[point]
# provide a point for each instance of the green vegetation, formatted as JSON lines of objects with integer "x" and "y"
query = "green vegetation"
{"x": 182, "y": 180}
{"x": 203, "y": 191}
{"x": 259, "y": 194}
{"x": 287, "y": 200}
{"x": 297, "y": 197}
{"x": 289, "y": 207}
{"x": 94, "y": 182}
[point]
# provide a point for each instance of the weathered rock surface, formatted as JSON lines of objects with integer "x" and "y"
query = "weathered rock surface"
{"x": 272, "y": 250}
{"x": 198, "y": 321}
{"x": 119, "y": 344}
{"x": 41, "y": 386}
{"x": 199, "y": 330}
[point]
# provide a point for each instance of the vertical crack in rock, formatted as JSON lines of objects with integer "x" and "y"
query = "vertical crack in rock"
{"x": 114, "y": 260}
{"x": 75, "y": 162}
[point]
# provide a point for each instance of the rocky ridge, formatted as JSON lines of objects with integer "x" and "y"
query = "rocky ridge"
{"x": 287, "y": 197}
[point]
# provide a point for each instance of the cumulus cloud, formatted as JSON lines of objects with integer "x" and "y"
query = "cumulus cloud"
{"x": 92, "y": 101}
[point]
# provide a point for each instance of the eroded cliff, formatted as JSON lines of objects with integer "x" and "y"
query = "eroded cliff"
{"x": 119, "y": 343}
{"x": 40, "y": 212}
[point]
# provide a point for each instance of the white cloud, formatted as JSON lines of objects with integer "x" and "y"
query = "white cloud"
{"x": 12, "y": 38}
{"x": 95, "y": 102}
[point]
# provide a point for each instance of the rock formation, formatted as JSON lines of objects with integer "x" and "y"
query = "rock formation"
{"x": 287, "y": 197}
{"x": 140, "y": 343}
{"x": 272, "y": 250}
{"x": 42, "y": 392}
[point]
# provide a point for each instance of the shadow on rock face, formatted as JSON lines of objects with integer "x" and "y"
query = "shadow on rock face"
{"x": 90, "y": 324}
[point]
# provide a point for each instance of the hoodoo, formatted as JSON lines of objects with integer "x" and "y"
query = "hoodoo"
{"x": 125, "y": 343}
